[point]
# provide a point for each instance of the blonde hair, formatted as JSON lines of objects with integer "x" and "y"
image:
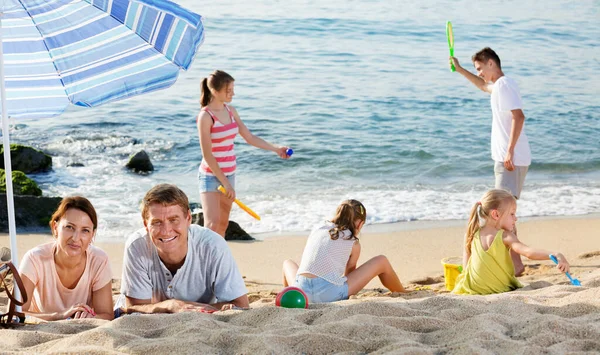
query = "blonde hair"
{"x": 346, "y": 215}
{"x": 495, "y": 199}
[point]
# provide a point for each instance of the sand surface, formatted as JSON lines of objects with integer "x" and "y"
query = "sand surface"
{"x": 547, "y": 316}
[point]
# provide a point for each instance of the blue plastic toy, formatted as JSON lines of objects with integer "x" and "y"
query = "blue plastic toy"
{"x": 575, "y": 282}
{"x": 289, "y": 152}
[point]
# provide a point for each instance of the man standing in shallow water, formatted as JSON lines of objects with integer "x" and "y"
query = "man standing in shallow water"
{"x": 509, "y": 143}
{"x": 172, "y": 266}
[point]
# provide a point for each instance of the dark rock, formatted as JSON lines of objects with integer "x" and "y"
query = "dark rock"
{"x": 31, "y": 212}
{"x": 22, "y": 185}
{"x": 140, "y": 162}
{"x": 27, "y": 159}
{"x": 233, "y": 232}
{"x": 75, "y": 164}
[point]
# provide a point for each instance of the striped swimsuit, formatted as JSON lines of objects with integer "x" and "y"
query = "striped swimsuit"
{"x": 221, "y": 137}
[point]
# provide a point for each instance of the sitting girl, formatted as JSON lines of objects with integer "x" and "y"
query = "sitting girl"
{"x": 328, "y": 269}
{"x": 487, "y": 263}
{"x": 69, "y": 277}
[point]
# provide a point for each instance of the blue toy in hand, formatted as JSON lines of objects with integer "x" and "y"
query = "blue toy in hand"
{"x": 575, "y": 282}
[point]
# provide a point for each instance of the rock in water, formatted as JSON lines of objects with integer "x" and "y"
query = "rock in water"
{"x": 31, "y": 212}
{"x": 140, "y": 162}
{"x": 27, "y": 159}
{"x": 22, "y": 185}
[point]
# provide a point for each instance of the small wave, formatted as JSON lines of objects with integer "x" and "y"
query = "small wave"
{"x": 103, "y": 124}
{"x": 566, "y": 168}
{"x": 419, "y": 154}
{"x": 389, "y": 204}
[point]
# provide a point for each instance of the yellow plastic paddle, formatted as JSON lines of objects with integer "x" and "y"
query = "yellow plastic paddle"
{"x": 239, "y": 203}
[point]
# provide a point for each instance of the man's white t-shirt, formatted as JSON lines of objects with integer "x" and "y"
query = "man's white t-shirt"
{"x": 506, "y": 97}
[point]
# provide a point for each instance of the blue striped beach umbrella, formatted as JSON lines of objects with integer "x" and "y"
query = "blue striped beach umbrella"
{"x": 54, "y": 53}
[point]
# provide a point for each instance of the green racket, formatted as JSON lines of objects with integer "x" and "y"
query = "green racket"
{"x": 450, "y": 36}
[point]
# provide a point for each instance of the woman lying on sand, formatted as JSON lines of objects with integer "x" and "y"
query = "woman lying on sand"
{"x": 69, "y": 277}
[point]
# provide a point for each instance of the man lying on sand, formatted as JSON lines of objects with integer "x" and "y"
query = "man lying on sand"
{"x": 172, "y": 266}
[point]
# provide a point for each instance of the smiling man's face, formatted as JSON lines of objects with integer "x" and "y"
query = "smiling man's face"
{"x": 168, "y": 228}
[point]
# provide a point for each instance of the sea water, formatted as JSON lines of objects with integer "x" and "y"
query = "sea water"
{"x": 362, "y": 92}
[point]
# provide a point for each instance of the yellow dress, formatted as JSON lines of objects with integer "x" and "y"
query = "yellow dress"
{"x": 488, "y": 271}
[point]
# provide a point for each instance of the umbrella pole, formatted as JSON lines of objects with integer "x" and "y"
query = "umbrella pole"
{"x": 7, "y": 163}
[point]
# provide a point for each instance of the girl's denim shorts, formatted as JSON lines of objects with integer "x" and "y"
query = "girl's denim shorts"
{"x": 319, "y": 290}
{"x": 210, "y": 183}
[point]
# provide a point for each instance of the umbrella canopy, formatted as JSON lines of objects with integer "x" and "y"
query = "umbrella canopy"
{"x": 90, "y": 52}
{"x": 54, "y": 53}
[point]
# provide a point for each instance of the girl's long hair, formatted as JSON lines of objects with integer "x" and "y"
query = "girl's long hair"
{"x": 494, "y": 199}
{"x": 348, "y": 212}
{"x": 215, "y": 81}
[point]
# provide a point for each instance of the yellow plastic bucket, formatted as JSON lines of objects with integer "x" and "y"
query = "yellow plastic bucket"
{"x": 452, "y": 268}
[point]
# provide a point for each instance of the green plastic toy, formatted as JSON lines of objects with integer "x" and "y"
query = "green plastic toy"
{"x": 450, "y": 36}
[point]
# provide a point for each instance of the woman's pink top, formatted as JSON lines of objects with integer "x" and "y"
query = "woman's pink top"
{"x": 49, "y": 294}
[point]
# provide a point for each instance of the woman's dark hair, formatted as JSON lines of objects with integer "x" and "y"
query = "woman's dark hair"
{"x": 348, "y": 212}
{"x": 215, "y": 81}
{"x": 77, "y": 202}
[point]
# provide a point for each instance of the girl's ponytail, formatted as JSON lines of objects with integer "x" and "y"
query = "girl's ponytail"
{"x": 345, "y": 218}
{"x": 215, "y": 81}
{"x": 205, "y": 95}
{"x": 473, "y": 226}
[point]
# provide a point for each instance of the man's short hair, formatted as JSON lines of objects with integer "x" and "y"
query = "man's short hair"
{"x": 166, "y": 195}
{"x": 486, "y": 54}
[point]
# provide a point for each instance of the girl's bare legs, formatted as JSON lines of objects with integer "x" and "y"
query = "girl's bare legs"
{"x": 216, "y": 208}
{"x": 225, "y": 210}
{"x": 211, "y": 207}
{"x": 377, "y": 266}
{"x": 290, "y": 268}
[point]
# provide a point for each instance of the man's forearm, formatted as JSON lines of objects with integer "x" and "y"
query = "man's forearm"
{"x": 474, "y": 79}
{"x": 160, "y": 307}
{"x": 515, "y": 130}
{"x": 241, "y": 302}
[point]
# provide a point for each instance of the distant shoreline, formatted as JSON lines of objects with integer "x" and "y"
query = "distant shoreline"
{"x": 422, "y": 225}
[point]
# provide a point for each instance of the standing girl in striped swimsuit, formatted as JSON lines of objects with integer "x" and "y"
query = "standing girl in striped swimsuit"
{"x": 328, "y": 271}
{"x": 218, "y": 124}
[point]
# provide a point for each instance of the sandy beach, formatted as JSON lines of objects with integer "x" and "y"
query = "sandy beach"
{"x": 547, "y": 316}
